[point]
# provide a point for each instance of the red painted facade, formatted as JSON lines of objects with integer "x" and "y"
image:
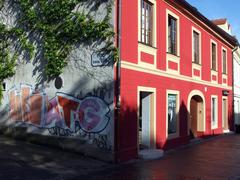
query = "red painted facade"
{"x": 161, "y": 78}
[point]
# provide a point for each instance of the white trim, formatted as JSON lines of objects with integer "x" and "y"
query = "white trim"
{"x": 224, "y": 49}
{"x": 214, "y": 126}
{"x": 224, "y": 76}
{"x": 214, "y": 73}
{"x": 174, "y": 59}
{"x": 199, "y": 68}
{"x": 177, "y": 93}
{"x": 149, "y": 50}
{"x": 161, "y": 73}
{"x": 223, "y": 120}
{"x": 194, "y": 65}
{"x": 152, "y": 90}
{"x": 154, "y": 33}
{"x": 200, "y": 94}
{"x": 214, "y": 42}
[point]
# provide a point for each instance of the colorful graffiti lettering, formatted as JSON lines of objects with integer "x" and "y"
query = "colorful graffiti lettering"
{"x": 61, "y": 114}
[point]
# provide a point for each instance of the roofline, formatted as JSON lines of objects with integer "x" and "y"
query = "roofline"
{"x": 232, "y": 40}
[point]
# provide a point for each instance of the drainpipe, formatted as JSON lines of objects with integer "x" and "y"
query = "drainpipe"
{"x": 118, "y": 82}
{"x": 234, "y": 50}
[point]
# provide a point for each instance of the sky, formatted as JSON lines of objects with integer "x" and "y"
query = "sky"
{"x": 215, "y": 9}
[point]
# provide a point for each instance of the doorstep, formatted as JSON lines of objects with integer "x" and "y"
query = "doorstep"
{"x": 150, "y": 154}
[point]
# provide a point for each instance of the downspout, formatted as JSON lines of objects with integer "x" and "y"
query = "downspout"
{"x": 118, "y": 82}
{"x": 234, "y": 50}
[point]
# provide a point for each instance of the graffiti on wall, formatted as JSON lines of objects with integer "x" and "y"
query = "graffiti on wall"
{"x": 63, "y": 115}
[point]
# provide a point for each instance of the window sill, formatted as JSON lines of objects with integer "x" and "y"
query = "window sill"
{"x": 213, "y": 70}
{"x": 148, "y": 45}
{"x": 214, "y": 127}
{"x": 197, "y": 64}
{"x": 173, "y": 57}
{"x": 171, "y": 54}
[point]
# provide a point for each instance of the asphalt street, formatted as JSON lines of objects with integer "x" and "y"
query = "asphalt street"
{"x": 217, "y": 158}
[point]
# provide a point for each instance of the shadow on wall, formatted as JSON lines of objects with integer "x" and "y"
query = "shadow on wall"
{"x": 237, "y": 122}
{"x": 181, "y": 128}
{"x": 77, "y": 113}
{"x": 179, "y": 125}
{"x": 91, "y": 8}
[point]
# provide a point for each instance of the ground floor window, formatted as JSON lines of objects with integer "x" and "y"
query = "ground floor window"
{"x": 214, "y": 112}
{"x": 172, "y": 113}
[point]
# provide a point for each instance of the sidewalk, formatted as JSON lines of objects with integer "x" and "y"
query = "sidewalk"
{"x": 21, "y": 160}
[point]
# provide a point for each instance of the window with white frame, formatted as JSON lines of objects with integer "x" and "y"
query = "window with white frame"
{"x": 146, "y": 22}
{"x": 214, "y": 109}
{"x": 214, "y": 56}
{"x": 172, "y": 35}
{"x": 196, "y": 47}
{"x": 172, "y": 113}
{"x": 224, "y": 61}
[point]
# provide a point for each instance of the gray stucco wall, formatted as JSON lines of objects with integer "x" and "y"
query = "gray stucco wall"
{"x": 81, "y": 108}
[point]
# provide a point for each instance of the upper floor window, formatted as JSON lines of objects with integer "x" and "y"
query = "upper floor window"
{"x": 214, "y": 56}
{"x": 224, "y": 61}
{"x": 146, "y": 22}
{"x": 172, "y": 35}
{"x": 196, "y": 47}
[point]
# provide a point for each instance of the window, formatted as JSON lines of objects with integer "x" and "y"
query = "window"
{"x": 172, "y": 35}
{"x": 172, "y": 113}
{"x": 196, "y": 47}
{"x": 224, "y": 59}
{"x": 214, "y": 57}
{"x": 214, "y": 112}
{"x": 146, "y": 22}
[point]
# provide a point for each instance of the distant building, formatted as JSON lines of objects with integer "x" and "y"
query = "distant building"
{"x": 223, "y": 24}
{"x": 236, "y": 71}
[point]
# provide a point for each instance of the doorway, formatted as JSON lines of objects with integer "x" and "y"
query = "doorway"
{"x": 146, "y": 121}
{"x": 196, "y": 116}
{"x": 225, "y": 115}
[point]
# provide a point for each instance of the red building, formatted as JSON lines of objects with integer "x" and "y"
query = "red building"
{"x": 176, "y": 77}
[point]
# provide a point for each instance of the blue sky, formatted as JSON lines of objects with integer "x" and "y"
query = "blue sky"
{"x": 214, "y": 9}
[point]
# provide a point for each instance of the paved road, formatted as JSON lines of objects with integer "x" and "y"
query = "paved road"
{"x": 218, "y": 159}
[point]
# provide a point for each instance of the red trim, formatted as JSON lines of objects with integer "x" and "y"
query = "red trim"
{"x": 147, "y": 58}
{"x": 196, "y": 72}
{"x": 172, "y": 65}
{"x": 214, "y": 78}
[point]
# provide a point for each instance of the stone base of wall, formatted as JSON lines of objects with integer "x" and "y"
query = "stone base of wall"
{"x": 69, "y": 144}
